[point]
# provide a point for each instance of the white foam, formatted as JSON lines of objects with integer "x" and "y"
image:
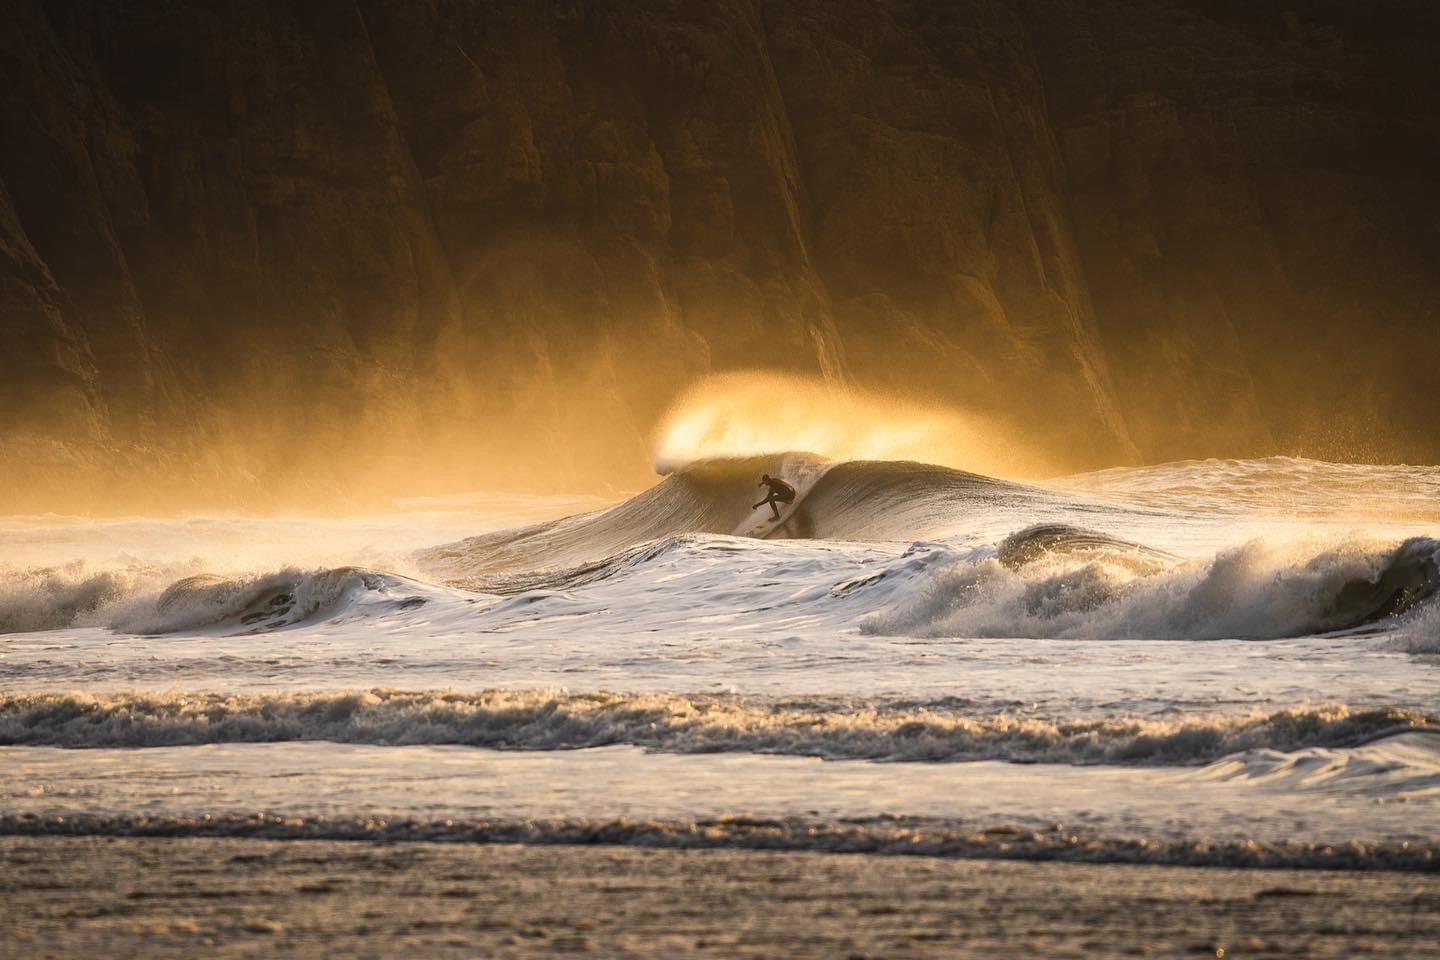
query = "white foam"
{"x": 1419, "y": 633}
{"x": 47, "y": 598}
{"x": 1257, "y": 590}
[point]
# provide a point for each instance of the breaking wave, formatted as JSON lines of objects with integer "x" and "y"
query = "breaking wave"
{"x": 894, "y": 730}
{"x": 1049, "y": 580}
{"x": 1087, "y": 586}
{"x": 151, "y": 601}
{"x": 262, "y": 602}
{"x": 48, "y": 598}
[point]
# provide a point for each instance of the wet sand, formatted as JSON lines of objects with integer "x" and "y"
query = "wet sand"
{"x": 203, "y": 897}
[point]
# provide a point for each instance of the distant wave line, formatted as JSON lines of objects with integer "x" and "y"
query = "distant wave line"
{"x": 882, "y": 835}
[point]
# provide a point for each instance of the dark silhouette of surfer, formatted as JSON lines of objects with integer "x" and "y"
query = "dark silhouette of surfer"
{"x": 780, "y": 492}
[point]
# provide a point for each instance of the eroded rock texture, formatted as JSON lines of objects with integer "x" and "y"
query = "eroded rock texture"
{"x": 251, "y": 239}
{"x": 1255, "y": 194}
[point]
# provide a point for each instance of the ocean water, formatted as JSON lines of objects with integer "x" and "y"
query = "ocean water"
{"x": 1206, "y": 662}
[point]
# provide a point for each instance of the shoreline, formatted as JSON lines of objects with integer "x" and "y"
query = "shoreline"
{"x": 875, "y": 836}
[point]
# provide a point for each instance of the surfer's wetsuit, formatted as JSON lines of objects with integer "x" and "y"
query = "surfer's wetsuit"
{"x": 780, "y": 492}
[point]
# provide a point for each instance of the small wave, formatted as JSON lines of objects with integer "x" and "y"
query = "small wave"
{"x": 258, "y": 602}
{"x": 1103, "y": 590}
{"x": 888, "y": 835}
{"x": 148, "y": 600}
{"x": 1044, "y": 540}
{"x": 547, "y": 720}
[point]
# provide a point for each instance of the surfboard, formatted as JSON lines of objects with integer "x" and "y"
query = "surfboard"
{"x": 770, "y": 524}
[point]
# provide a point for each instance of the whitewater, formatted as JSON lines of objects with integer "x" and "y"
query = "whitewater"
{"x": 1212, "y": 662}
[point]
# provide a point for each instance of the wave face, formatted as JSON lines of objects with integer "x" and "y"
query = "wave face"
{"x": 855, "y": 500}
{"x": 894, "y": 730}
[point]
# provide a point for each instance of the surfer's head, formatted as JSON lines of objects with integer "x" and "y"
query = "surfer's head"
{"x": 764, "y": 477}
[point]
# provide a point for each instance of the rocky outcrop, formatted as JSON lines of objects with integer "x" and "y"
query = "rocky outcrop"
{"x": 313, "y": 246}
{"x": 1253, "y": 189}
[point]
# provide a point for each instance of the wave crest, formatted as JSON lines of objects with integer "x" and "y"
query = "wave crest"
{"x": 49, "y": 598}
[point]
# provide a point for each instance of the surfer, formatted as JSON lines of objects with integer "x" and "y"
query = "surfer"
{"x": 780, "y": 492}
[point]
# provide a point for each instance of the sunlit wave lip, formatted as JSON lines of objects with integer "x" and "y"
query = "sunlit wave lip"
{"x": 665, "y": 466}
{"x": 756, "y": 413}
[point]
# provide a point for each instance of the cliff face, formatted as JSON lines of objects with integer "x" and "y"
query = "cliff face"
{"x": 1254, "y": 191}
{"x": 254, "y": 239}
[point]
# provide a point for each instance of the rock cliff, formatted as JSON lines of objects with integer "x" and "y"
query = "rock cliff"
{"x": 469, "y": 241}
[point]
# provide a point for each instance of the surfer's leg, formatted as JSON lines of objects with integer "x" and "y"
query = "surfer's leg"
{"x": 773, "y": 509}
